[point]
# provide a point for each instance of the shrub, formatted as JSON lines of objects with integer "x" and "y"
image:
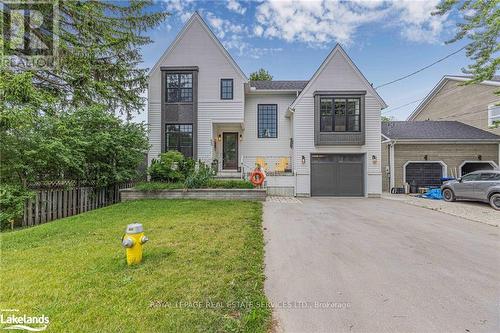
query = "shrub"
{"x": 168, "y": 168}
{"x": 212, "y": 183}
{"x": 187, "y": 167}
{"x": 157, "y": 186}
{"x": 236, "y": 183}
{"x": 12, "y": 199}
{"x": 200, "y": 177}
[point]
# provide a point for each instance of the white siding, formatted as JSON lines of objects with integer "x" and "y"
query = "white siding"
{"x": 337, "y": 75}
{"x": 251, "y": 145}
{"x": 210, "y": 113}
{"x": 154, "y": 124}
{"x": 196, "y": 47}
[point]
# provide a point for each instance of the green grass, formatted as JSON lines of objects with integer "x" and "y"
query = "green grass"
{"x": 74, "y": 270}
{"x": 212, "y": 183}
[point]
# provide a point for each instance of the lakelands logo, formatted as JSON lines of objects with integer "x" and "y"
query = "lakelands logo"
{"x": 15, "y": 321}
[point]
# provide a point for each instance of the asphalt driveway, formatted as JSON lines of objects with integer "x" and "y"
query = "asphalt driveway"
{"x": 375, "y": 265}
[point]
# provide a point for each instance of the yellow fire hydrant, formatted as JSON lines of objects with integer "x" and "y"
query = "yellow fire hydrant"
{"x": 133, "y": 240}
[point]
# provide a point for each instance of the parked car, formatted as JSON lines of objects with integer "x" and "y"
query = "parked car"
{"x": 476, "y": 186}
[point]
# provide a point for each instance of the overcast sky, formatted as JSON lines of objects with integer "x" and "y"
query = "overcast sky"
{"x": 386, "y": 40}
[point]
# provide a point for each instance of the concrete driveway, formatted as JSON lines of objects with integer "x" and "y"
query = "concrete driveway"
{"x": 375, "y": 265}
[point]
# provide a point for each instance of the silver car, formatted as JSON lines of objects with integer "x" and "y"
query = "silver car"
{"x": 477, "y": 186}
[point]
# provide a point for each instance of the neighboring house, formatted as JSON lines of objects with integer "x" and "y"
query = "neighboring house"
{"x": 474, "y": 105}
{"x": 314, "y": 137}
{"x": 426, "y": 151}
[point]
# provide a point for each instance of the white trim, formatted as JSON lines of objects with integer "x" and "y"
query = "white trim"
{"x": 392, "y": 182}
{"x": 336, "y": 49}
{"x": 492, "y": 163}
{"x": 464, "y": 79}
{"x": 385, "y": 138}
{"x": 197, "y": 17}
{"x": 438, "y": 87}
{"x": 443, "y": 165}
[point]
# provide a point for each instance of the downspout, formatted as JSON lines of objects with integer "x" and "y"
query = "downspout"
{"x": 391, "y": 165}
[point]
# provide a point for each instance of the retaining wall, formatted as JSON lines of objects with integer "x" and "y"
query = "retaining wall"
{"x": 204, "y": 194}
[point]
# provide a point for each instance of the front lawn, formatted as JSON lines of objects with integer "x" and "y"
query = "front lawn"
{"x": 202, "y": 269}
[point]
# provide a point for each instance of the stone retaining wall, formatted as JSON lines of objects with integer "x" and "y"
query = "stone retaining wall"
{"x": 204, "y": 194}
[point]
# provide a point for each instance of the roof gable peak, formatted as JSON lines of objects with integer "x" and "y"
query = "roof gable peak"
{"x": 338, "y": 49}
{"x": 196, "y": 17}
{"x": 435, "y": 90}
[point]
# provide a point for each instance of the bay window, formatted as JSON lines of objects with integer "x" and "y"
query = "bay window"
{"x": 340, "y": 114}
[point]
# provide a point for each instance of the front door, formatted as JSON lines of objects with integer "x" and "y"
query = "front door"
{"x": 230, "y": 150}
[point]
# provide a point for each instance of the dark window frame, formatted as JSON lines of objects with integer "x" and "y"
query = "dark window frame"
{"x": 333, "y": 117}
{"x": 258, "y": 121}
{"x": 179, "y": 145}
{"x": 179, "y": 90}
{"x": 222, "y": 89}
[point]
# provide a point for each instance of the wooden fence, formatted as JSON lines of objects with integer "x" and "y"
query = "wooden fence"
{"x": 56, "y": 203}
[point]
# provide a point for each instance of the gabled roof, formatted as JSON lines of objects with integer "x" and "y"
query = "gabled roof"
{"x": 495, "y": 81}
{"x": 196, "y": 17}
{"x": 428, "y": 130}
{"x": 278, "y": 85}
{"x": 339, "y": 49}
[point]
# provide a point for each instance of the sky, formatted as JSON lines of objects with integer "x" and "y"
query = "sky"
{"x": 290, "y": 39}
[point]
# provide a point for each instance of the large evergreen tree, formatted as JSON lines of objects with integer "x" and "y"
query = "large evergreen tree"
{"x": 63, "y": 122}
{"x": 99, "y": 53}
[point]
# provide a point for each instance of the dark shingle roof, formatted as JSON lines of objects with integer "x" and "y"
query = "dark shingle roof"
{"x": 278, "y": 85}
{"x": 434, "y": 130}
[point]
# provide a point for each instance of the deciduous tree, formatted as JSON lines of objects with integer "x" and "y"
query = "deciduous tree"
{"x": 261, "y": 75}
{"x": 481, "y": 27}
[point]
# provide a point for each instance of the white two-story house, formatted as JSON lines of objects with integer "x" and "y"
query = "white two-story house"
{"x": 318, "y": 137}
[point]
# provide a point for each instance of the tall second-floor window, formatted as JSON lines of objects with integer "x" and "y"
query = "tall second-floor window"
{"x": 267, "y": 120}
{"x": 179, "y": 87}
{"x": 340, "y": 114}
{"x": 226, "y": 89}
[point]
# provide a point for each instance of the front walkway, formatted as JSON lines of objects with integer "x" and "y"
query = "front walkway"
{"x": 375, "y": 265}
{"x": 277, "y": 199}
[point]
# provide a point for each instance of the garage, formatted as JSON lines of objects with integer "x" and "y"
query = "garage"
{"x": 424, "y": 174}
{"x": 337, "y": 175}
{"x": 468, "y": 167}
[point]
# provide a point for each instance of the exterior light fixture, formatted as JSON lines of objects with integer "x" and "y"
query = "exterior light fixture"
{"x": 374, "y": 159}
{"x": 303, "y": 159}
{"x": 219, "y": 138}
{"x": 426, "y": 157}
{"x": 241, "y": 137}
{"x": 479, "y": 157}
